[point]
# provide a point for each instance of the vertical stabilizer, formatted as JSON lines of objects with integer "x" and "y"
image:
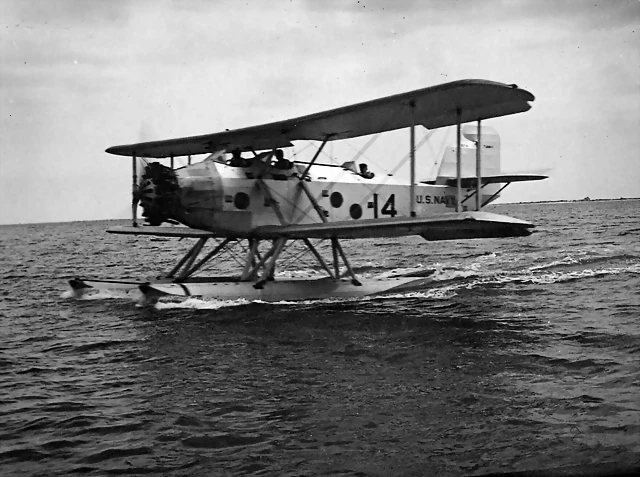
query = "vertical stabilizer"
{"x": 490, "y": 154}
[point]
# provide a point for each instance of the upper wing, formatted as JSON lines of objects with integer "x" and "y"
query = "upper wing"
{"x": 431, "y": 107}
{"x": 451, "y": 226}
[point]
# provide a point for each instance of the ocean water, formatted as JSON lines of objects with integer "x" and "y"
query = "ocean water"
{"x": 520, "y": 354}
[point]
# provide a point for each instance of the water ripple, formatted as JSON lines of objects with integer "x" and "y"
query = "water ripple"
{"x": 517, "y": 355}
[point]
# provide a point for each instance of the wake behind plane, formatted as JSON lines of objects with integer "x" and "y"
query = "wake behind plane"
{"x": 246, "y": 196}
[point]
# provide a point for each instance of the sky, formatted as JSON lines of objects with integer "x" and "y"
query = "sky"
{"x": 78, "y": 76}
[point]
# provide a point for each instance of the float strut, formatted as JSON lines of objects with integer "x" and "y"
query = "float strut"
{"x": 336, "y": 263}
{"x": 195, "y": 251}
{"x": 186, "y": 257}
{"x": 354, "y": 279}
{"x": 208, "y": 257}
{"x": 337, "y": 249}
{"x": 249, "y": 261}
{"x": 318, "y": 257}
{"x": 262, "y": 260}
{"x": 277, "y": 250}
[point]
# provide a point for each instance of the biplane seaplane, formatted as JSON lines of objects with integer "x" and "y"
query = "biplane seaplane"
{"x": 265, "y": 202}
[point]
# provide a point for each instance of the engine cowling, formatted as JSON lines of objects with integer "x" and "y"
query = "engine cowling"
{"x": 158, "y": 194}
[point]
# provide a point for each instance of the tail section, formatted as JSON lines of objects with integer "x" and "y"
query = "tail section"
{"x": 490, "y": 155}
{"x": 493, "y": 178}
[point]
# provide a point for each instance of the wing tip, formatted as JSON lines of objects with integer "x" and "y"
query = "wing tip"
{"x": 119, "y": 151}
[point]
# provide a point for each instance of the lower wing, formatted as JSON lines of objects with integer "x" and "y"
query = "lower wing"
{"x": 448, "y": 226}
{"x": 182, "y": 232}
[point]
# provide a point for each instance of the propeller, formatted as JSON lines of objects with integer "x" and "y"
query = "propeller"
{"x": 157, "y": 193}
{"x": 154, "y": 186}
{"x": 139, "y": 166}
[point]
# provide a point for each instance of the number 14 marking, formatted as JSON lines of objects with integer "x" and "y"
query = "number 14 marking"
{"x": 389, "y": 207}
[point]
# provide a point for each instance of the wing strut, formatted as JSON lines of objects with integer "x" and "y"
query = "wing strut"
{"x": 324, "y": 141}
{"x": 458, "y": 163}
{"x": 479, "y": 165}
{"x": 272, "y": 202}
{"x": 303, "y": 184}
{"x": 134, "y": 192}
{"x": 412, "y": 139}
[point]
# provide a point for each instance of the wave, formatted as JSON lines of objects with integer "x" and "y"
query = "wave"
{"x": 194, "y": 303}
{"x": 221, "y": 440}
{"x": 582, "y": 258}
{"x": 368, "y": 268}
{"x": 568, "y": 260}
{"x": 114, "y": 453}
{"x": 101, "y": 345}
{"x": 203, "y": 303}
{"x": 559, "y": 277}
{"x": 466, "y": 280}
{"x": 23, "y": 455}
{"x": 630, "y": 231}
{"x": 444, "y": 284}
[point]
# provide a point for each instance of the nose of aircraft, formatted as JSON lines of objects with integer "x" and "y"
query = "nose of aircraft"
{"x": 158, "y": 193}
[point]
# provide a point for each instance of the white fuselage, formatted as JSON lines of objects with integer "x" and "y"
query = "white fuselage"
{"x": 225, "y": 199}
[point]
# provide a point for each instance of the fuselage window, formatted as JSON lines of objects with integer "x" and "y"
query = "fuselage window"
{"x": 355, "y": 211}
{"x": 241, "y": 200}
{"x": 336, "y": 199}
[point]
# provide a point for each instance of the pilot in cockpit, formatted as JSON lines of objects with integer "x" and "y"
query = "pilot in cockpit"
{"x": 365, "y": 173}
{"x": 237, "y": 160}
{"x": 281, "y": 162}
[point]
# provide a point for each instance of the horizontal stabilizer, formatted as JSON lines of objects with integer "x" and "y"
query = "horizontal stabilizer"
{"x": 470, "y": 182}
{"x": 452, "y": 226}
{"x": 182, "y": 232}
